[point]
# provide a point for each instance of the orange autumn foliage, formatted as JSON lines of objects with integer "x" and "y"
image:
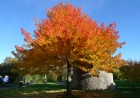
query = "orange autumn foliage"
{"x": 67, "y": 34}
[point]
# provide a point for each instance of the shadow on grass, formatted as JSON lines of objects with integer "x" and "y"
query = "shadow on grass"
{"x": 32, "y": 89}
{"x": 76, "y": 94}
{"x": 126, "y": 89}
{"x": 53, "y": 90}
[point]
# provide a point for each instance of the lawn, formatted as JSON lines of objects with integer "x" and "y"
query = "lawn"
{"x": 127, "y": 89}
{"x": 54, "y": 90}
{"x": 35, "y": 90}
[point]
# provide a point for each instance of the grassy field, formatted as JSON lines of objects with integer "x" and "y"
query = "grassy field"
{"x": 57, "y": 91}
{"x": 126, "y": 89}
{"x": 32, "y": 91}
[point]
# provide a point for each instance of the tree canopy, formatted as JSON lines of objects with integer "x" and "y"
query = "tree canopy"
{"x": 69, "y": 38}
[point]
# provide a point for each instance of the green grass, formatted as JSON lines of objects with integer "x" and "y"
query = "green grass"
{"x": 32, "y": 89}
{"x": 126, "y": 89}
{"x": 54, "y": 90}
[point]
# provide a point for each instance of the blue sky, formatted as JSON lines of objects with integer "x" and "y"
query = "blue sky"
{"x": 17, "y": 14}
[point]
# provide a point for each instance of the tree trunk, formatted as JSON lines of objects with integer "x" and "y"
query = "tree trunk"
{"x": 133, "y": 86}
{"x": 45, "y": 80}
{"x": 69, "y": 87}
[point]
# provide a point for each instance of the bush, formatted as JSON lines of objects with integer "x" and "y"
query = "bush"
{"x": 51, "y": 77}
{"x": 117, "y": 75}
{"x": 35, "y": 78}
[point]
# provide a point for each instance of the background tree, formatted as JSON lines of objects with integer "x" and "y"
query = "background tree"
{"x": 69, "y": 38}
{"x": 5, "y": 69}
{"x": 131, "y": 72}
{"x": 64, "y": 75}
{"x": 35, "y": 78}
{"x": 117, "y": 75}
{"x": 52, "y": 77}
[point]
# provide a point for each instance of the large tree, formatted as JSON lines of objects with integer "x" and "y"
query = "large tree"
{"x": 69, "y": 38}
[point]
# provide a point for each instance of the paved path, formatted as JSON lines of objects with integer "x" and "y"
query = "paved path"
{"x": 62, "y": 83}
{"x": 3, "y": 88}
